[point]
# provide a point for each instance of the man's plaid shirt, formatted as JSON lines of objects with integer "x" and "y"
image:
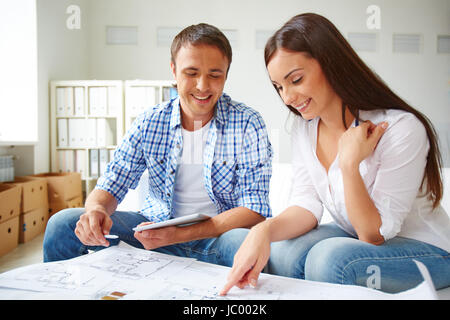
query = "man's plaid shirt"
{"x": 237, "y": 159}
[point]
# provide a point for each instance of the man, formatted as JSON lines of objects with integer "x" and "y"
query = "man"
{"x": 229, "y": 178}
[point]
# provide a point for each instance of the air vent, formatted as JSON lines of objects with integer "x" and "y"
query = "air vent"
{"x": 121, "y": 35}
{"x": 363, "y": 41}
{"x": 443, "y": 44}
{"x": 407, "y": 43}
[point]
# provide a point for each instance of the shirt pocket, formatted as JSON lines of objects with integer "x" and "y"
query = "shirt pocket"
{"x": 223, "y": 175}
{"x": 157, "y": 172}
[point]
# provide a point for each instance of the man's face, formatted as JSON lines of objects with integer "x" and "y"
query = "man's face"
{"x": 200, "y": 72}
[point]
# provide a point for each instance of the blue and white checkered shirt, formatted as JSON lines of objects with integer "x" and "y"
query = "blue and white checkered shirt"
{"x": 237, "y": 159}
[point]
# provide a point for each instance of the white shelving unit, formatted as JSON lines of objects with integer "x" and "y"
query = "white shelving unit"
{"x": 141, "y": 94}
{"x": 86, "y": 119}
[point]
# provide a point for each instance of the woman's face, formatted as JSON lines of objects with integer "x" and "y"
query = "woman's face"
{"x": 301, "y": 83}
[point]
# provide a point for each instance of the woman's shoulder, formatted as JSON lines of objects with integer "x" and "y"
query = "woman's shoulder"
{"x": 392, "y": 115}
{"x": 403, "y": 126}
{"x": 398, "y": 119}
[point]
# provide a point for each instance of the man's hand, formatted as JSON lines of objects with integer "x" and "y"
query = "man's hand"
{"x": 92, "y": 227}
{"x": 155, "y": 238}
{"x": 239, "y": 217}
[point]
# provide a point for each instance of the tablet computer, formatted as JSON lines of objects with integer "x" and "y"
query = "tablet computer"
{"x": 196, "y": 217}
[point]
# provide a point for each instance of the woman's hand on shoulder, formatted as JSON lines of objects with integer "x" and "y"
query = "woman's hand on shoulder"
{"x": 357, "y": 143}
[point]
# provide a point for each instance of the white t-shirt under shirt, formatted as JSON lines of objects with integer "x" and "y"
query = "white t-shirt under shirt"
{"x": 392, "y": 175}
{"x": 190, "y": 194}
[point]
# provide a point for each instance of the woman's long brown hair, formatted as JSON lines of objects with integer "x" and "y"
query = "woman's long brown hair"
{"x": 352, "y": 80}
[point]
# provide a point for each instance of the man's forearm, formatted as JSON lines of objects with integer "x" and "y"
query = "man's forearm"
{"x": 101, "y": 200}
{"x": 239, "y": 217}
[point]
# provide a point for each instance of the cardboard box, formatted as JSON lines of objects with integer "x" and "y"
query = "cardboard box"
{"x": 9, "y": 235}
{"x": 76, "y": 202}
{"x": 32, "y": 224}
{"x": 56, "y": 206}
{"x": 10, "y": 197}
{"x": 62, "y": 186}
{"x": 34, "y": 192}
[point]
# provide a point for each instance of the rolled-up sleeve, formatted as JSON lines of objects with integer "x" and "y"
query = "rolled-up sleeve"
{"x": 403, "y": 156}
{"x": 125, "y": 170}
{"x": 303, "y": 193}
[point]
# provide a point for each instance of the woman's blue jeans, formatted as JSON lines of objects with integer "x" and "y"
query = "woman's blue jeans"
{"x": 60, "y": 241}
{"x": 329, "y": 254}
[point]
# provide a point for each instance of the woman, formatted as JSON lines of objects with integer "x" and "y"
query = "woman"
{"x": 363, "y": 153}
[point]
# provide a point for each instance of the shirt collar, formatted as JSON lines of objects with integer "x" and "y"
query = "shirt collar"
{"x": 175, "y": 118}
{"x": 220, "y": 111}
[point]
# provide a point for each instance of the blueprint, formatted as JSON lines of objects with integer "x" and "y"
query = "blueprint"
{"x": 124, "y": 272}
{"x": 118, "y": 269}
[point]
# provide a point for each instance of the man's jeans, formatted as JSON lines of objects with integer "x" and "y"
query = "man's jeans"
{"x": 60, "y": 241}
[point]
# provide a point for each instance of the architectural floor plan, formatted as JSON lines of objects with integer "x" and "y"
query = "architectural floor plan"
{"x": 125, "y": 272}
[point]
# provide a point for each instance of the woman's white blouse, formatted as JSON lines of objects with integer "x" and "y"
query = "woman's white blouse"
{"x": 393, "y": 175}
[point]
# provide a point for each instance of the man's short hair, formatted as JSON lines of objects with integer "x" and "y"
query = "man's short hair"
{"x": 201, "y": 33}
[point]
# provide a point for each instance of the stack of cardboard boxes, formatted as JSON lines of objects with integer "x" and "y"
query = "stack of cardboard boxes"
{"x": 28, "y": 202}
{"x": 64, "y": 190}
{"x": 33, "y": 207}
{"x": 23, "y": 211}
{"x": 9, "y": 217}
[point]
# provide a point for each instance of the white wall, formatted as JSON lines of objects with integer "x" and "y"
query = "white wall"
{"x": 421, "y": 79}
{"x": 62, "y": 55}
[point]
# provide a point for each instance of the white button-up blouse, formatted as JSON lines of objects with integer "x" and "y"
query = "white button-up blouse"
{"x": 393, "y": 175}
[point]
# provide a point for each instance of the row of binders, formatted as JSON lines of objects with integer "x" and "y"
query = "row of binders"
{"x": 107, "y": 101}
{"x": 100, "y": 101}
{"x": 139, "y": 98}
{"x": 81, "y": 133}
{"x": 75, "y": 161}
